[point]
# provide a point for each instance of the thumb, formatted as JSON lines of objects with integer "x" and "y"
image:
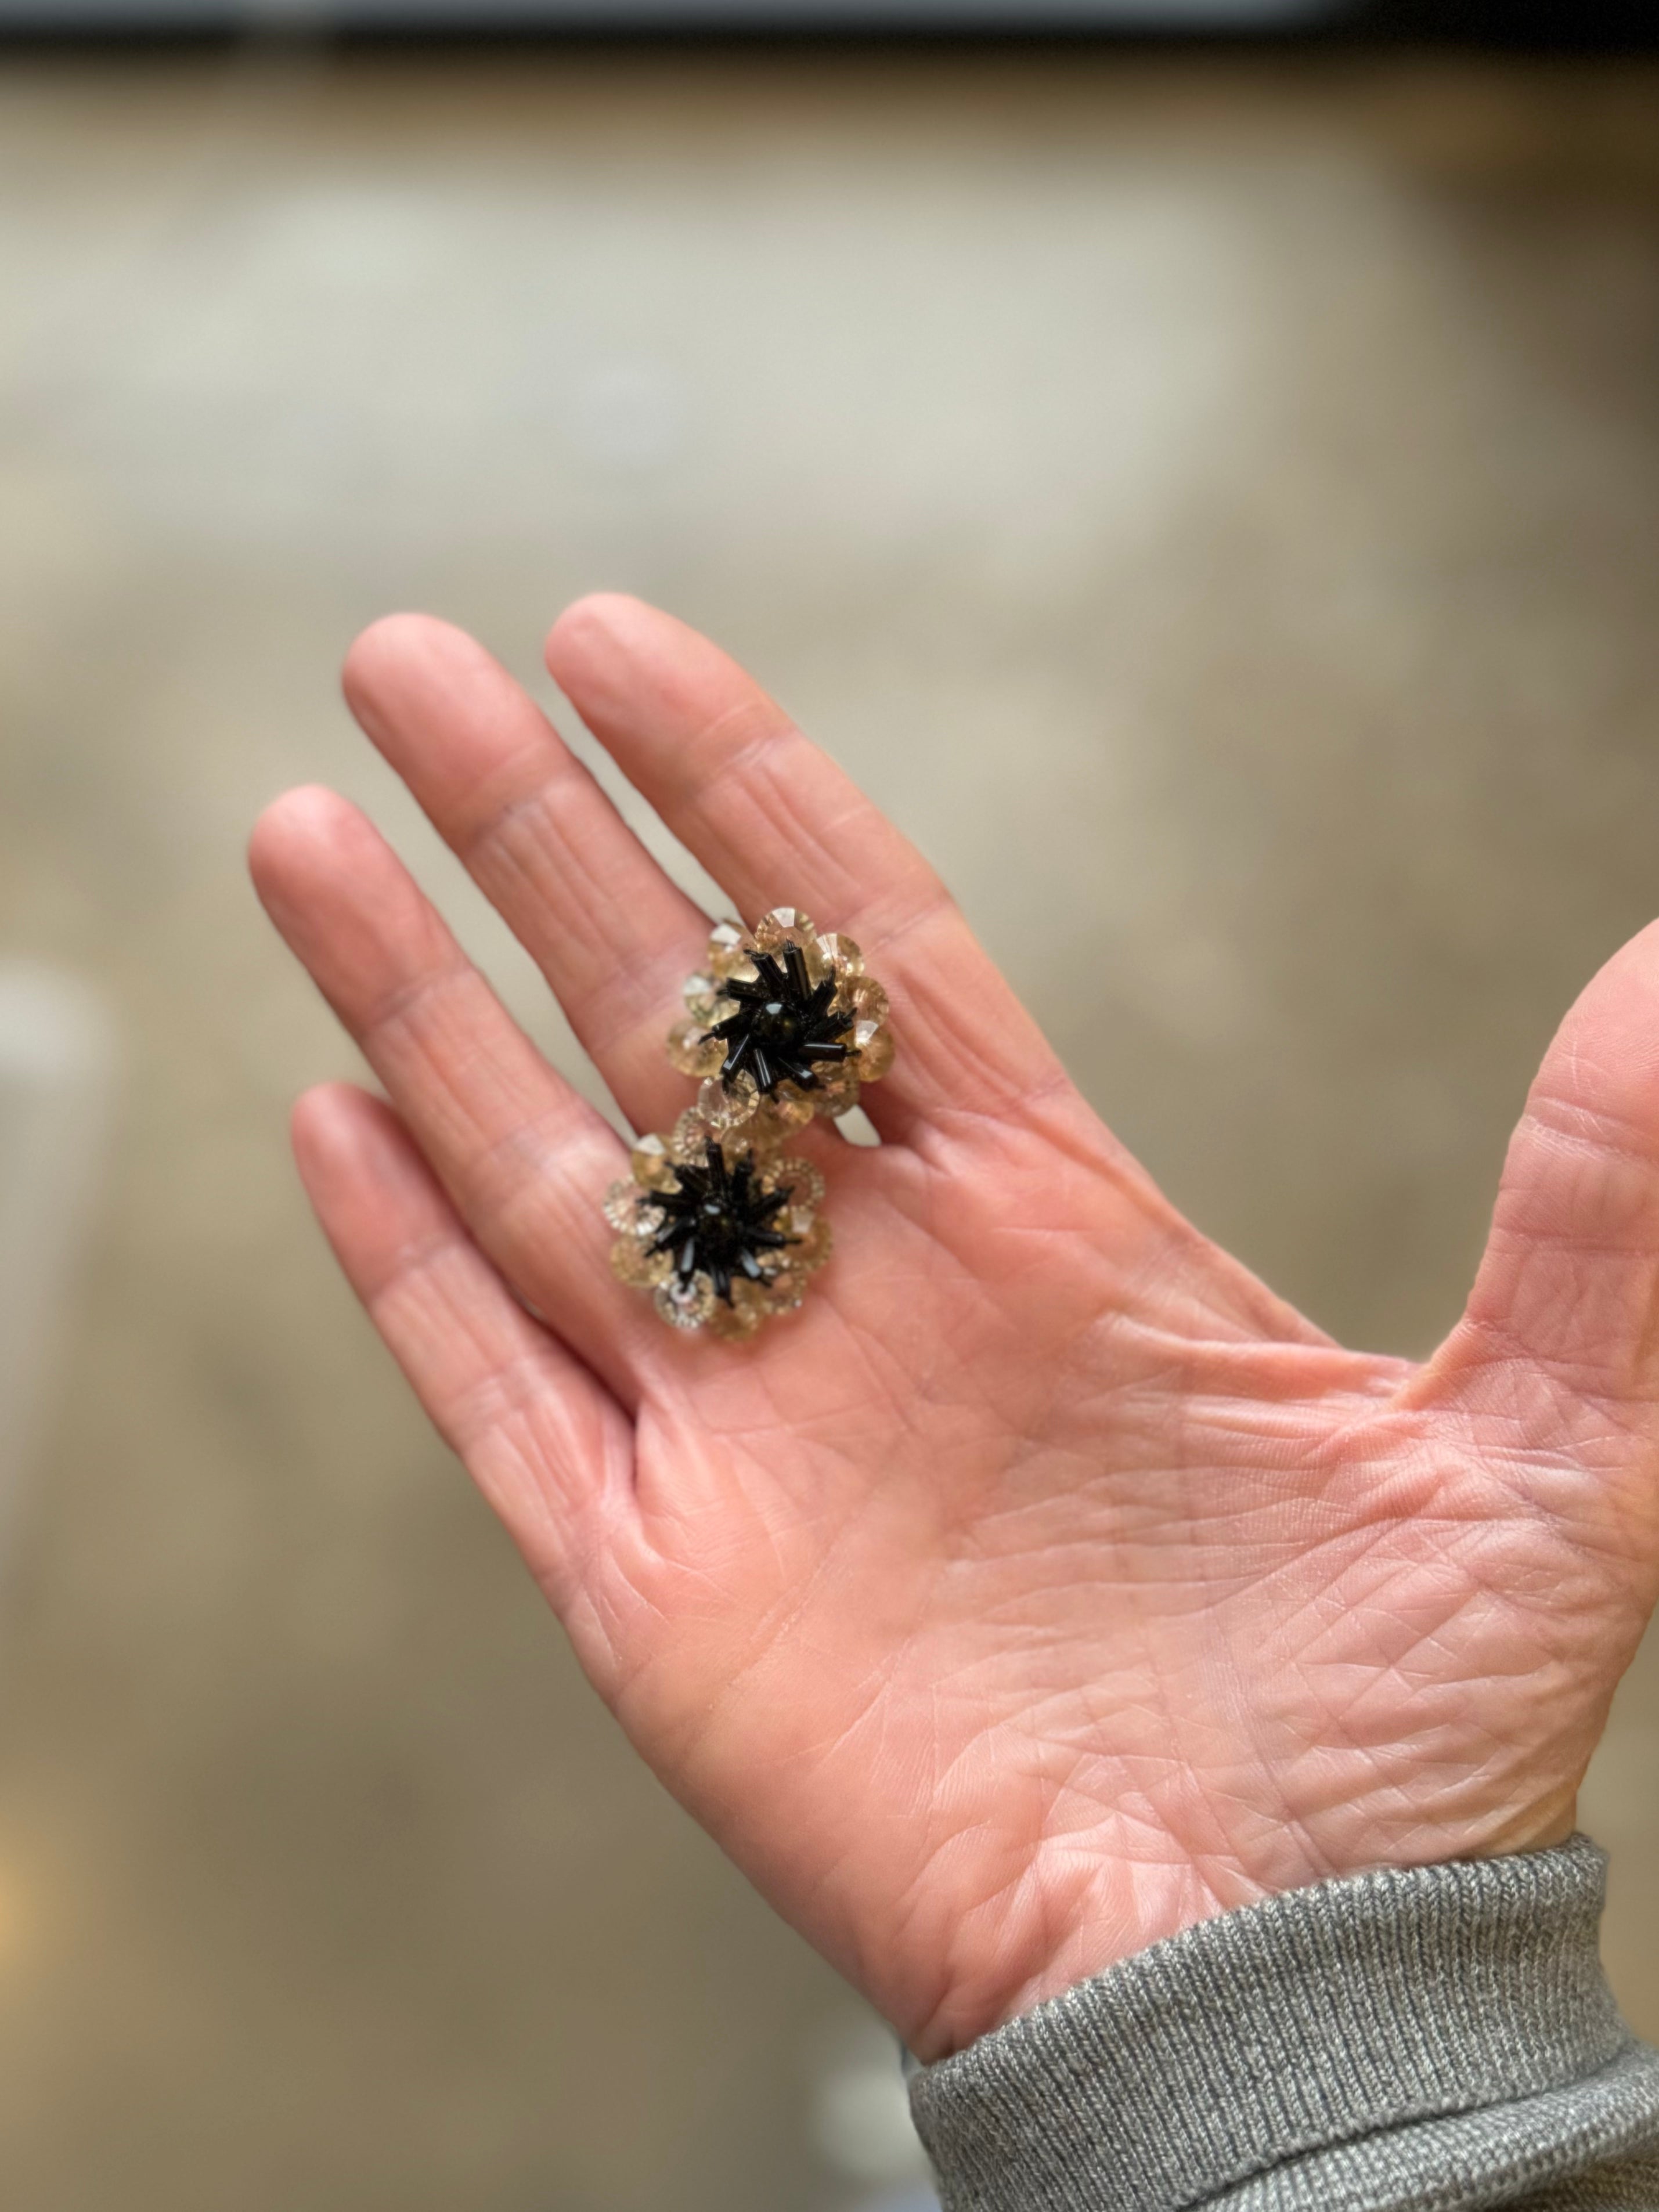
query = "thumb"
{"x": 1560, "y": 1345}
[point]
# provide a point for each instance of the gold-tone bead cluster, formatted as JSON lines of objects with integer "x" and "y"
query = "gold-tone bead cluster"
{"x": 719, "y": 1222}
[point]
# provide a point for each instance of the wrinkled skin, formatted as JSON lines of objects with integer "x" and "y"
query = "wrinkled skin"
{"x": 1046, "y": 1585}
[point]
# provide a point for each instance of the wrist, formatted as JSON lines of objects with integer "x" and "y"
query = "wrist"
{"x": 1092, "y": 1920}
{"x": 1363, "y": 2038}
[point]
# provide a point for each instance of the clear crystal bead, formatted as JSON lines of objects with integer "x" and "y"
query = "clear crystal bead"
{"x": 631, "y": 1211}
{"x": 685, "y": 1305}
{"x": 872, "y": 1050}
{"x": 690, "y": 1139}
{"x": 785, "y": 1290}
{"x": 652, "y": 1167}
{"x": 783, "y": 1111}
{"x": 866, "y": 1000}
{"x": 724, "y": 1107}
{"x": 802, "y": 1180}
{"x": 820, "y": 966}
{"x": 693, "y": 1051}
{"x": 747, "y": 1311}
{"x": 840, "y": 953}
{"x": 837, "y": 1090}
{"x": 727, "y": 945}
{"x": 784, "y": 926}
{"x": 810, "y": 1255}
{"x": 633, "y": 1262}
{"x": 621, "y": 1206}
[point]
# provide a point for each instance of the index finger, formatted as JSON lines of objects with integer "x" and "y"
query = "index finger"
{"x": 775, "y": 822}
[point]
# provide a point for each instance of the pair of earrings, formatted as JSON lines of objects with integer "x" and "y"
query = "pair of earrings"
{"x": 717, "y": 1219}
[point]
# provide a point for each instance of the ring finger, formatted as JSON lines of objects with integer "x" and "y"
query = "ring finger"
{"x": 522, "y": 1155}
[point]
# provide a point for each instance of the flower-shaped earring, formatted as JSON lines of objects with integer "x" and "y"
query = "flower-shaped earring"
{"x": 720, "y": 1229}
{"x": 722, "y": 1232}
{"x": 783, "y": 1025}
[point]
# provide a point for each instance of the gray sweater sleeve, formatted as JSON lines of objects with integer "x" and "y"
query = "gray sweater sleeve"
{"x": 1429, "y": 2039}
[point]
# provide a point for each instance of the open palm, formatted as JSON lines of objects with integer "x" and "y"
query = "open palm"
{"x": 1046, "y": 1585}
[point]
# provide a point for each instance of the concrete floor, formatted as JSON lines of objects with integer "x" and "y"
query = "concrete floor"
{"x": 1215, "y": 508}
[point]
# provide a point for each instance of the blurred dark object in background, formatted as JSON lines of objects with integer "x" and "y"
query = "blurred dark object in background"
{"x": 1549, "y": 25}
{"x": 1593, "y": 25}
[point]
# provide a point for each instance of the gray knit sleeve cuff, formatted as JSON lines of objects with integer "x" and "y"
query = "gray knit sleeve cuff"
{"x": 1435, "y": 2037}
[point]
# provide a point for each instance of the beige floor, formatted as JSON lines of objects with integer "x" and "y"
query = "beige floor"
{"x": 1216, "y": 509}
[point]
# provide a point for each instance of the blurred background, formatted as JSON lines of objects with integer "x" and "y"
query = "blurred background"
{"x": 1207, "y": 490}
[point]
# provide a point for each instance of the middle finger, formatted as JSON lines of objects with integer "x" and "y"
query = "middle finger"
{"x": 614, "y": 937}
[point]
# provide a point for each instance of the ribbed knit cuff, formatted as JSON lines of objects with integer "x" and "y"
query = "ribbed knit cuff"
{"x": 1435, "y": 2036}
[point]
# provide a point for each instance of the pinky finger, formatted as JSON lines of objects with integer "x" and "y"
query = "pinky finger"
{"x": 544, "y": 1440}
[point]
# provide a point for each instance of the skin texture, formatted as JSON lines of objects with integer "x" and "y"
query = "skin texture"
{"x": 1046, "y": 1585}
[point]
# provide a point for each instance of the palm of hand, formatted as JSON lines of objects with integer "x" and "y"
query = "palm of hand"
{"x": 1046, "y": 1584}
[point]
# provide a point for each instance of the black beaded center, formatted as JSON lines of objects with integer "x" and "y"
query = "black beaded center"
{"x": 784, "y": 1026}
{"x": 718, "y": 1223}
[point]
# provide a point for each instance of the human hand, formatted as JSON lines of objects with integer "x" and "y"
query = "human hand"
{"x": 1046, "y": 1585}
